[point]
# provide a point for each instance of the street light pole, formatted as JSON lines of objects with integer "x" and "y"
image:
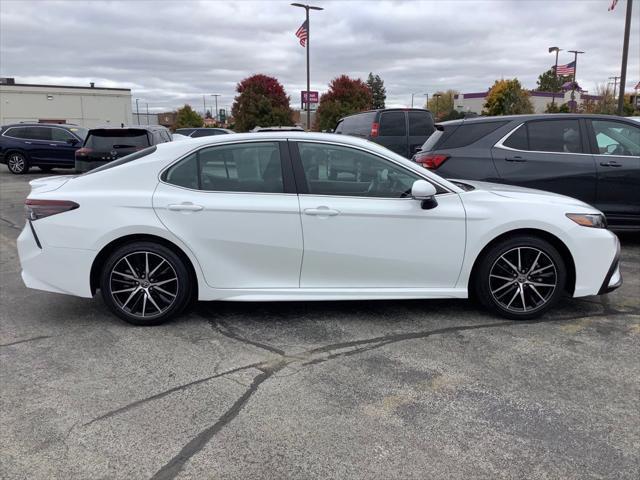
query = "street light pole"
{"x": 147, "y": 114}
{"x": 307, "y": 8}
{"x": 216, "y": 95}
{"x": 555, "y": 73}
{"x": 625, "y": 54}
{"x": 573, "y": 83}
{"x": 615, "y": 85}
{"x": 437, "y": 96}
{"x": 137, "y": 112}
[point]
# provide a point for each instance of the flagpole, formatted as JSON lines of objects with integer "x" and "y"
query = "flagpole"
{"x": 625, "y": 54}
{"x": 555, "y": 73}
{"x": 307, "y": 8}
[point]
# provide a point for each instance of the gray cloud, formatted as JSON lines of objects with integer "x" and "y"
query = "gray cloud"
{"x": 172, "y": 52}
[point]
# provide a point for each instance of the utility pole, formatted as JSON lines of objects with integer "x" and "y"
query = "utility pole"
{"x": 437, "y": 97}
{"x": 308, "y": 41}
{"x": 204, "y": 108}
{"x": 625, "y": 54}
{"x": 137, "y": 112}
{"x": 615, "y": 85}
{"x": 555, "y": 72}
{"x": 573, "y": 83}
{"x": 147, "y": 114}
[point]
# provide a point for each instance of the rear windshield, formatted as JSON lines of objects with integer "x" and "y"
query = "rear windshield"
{"x": 357, "y": 125}
{"x": 433, "y": 139}
{"x": 123, "y": 160}
{"x": 115, "y": 139}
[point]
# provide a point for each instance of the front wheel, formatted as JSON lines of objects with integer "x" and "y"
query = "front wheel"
{"x": 145, "y": 283}
{"x": 520, "y": 278}
{"x": 17, "y": 163}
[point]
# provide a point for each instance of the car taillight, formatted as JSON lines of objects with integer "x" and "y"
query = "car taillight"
{"x": 36, "y": 209}
{"x": 83, "y": 152}
{"x": 431, "y": 162}
{"x": 375, "y": 128}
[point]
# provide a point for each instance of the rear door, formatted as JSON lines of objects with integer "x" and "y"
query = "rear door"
{"x": 392, "y": 132}
{"x": 420, "y": 128}
{"x": 550, "y": 155}
{"x": 236, "y": 208}
{"x": 617, "y": 156}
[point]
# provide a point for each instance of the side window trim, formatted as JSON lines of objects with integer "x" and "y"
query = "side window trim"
{"x": 500, "y": 143}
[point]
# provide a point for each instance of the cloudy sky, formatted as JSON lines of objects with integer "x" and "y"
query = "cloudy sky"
{"x": 172, "y": 52}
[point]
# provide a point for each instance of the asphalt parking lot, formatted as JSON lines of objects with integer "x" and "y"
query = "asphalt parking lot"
{"x": 345, "y": 390}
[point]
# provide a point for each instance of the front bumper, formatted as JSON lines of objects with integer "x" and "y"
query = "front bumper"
{"x": 613, "y": 279}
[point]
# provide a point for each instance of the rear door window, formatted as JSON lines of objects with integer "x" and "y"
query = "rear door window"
{"x": 61, "y": 135}
{"x": 393, "y": 124}
{"x": 114, "y": 139}
{"x": 38, "y": 133}
{"x": 518, "y": 139}
{"x": 555, "y": 136}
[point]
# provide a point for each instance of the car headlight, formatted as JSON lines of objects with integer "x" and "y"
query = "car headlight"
{"x": 593, "y": 220}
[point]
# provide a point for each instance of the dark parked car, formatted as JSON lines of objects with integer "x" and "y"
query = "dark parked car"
{"x": 595, "y": 158}
{"x": 402, "y": 130}
{"x": 203, "y": 132}
{"x": 103, "y": 145}
{"x": 43, "y": 145}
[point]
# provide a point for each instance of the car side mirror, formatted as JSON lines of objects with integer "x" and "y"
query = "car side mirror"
{"x": 426, "y": 193}
{"x": 72, "y": 141}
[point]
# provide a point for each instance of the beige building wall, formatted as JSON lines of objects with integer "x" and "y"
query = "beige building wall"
{"x": 84, "y": 106}
{"x": 476, "y": 104}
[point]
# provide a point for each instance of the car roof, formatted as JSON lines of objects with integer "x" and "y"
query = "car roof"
{"x": 525, "y": 117}
{"x": 129, "y": 127}
{"x": 36, "y": 124}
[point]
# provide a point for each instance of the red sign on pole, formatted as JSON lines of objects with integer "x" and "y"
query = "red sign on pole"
{"x": 313, "y": 97}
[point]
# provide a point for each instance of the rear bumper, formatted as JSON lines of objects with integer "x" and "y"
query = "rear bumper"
{"x": 613, "y": 279}
{"x": 54, "y": 269}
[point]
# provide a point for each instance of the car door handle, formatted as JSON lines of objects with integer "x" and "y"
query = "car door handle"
{"x": 185, "y": 207}
{"x": 321, "y": 212}
{"x": 612, "y": 163}
{"x": 517, "y": 158}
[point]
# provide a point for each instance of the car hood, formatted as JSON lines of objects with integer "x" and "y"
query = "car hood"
{"x": 522, "y": 193}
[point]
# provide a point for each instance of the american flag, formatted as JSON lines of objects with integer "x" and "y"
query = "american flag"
{"x": 302, "y": 33}
{"x": 568, "y": 69}
{"x": 613, "y": 5}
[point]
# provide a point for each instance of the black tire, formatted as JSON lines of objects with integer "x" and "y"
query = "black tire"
{"x": 17, "y": 162}
{"x": 167, "y": 297}
{"x": 45, "y": 169}
{"x": 524, "y": 295}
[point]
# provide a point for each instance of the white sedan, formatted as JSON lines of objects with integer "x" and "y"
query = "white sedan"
{"x": 301, "y": 216}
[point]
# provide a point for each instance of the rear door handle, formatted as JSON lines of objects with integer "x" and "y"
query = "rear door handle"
{"x": 517, "y": 158}
{"x": 321, "y": 212}
{"x": 185, "y": 207}
{"x": 612, "y": 163}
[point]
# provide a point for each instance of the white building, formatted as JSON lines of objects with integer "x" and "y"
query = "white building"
{"x": 474, "y": 102}
{"x": 85, "y": 106}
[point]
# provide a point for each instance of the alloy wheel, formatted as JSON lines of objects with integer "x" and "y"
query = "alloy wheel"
{"x": 523, "y": 279}
{"x": 144, "y": 284}
{"x": 16, "y": 163}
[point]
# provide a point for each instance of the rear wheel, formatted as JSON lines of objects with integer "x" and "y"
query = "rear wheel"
{"x": 145, "y": 283}
{"x": 17, "y": 163}
{"x": 520, "y": 278}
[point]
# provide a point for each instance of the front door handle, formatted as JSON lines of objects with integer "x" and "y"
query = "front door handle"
{"x": 516, "y": 158}
{"x": 612, "y": 163}
{"x": 321, "y": 212}
{"x": 185, "y": 207}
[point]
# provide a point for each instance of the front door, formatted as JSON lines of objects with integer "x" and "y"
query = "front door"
{"x": 550, "y": 155}
{"x": 237, "y": 212}
{"x": 362, "y": 229}
{"x": 618, "y": 165}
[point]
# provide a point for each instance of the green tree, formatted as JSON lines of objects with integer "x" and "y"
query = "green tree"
{"x": 378, "y": 92}
{"x": 344, "y": 97}
{"x": 187, "y": 117}
{"x": 548, "y": 82}
{"x": 261, "y": 101}
{"x": 507, "y": 97}
{"x": 442, "y": 105}
{"x": 555, "y": 108}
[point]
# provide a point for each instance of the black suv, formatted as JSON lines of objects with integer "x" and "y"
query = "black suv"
{"x": 103, "y": 145}
{"x": 595, "y": 158}
{"x": 402, "y": 130}
{"x": 43, "y": 145}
